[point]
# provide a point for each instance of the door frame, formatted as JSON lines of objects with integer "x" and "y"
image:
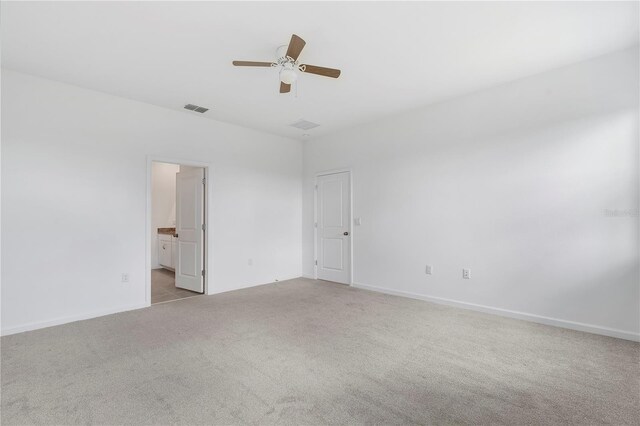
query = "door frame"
{"x": 208, "y": 220}
{"x": 315, "y": 219}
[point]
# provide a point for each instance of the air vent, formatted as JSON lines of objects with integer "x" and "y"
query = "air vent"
{"x": 304, "y": 125}
{"x": 196, "y": 108}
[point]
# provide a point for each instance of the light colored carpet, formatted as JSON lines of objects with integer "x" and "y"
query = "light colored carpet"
{"x": 311, "y": 352}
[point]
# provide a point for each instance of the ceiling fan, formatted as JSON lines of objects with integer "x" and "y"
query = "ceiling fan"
{"x": 287, "y": 62}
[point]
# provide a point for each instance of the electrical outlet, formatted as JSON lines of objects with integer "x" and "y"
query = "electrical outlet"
{"x": 125, "y": 277}
{"x": 466, "y": 274}
{"x": 429, "y": 270}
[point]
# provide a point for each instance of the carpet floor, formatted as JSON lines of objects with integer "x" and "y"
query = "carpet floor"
{"x": 312, "y": 352}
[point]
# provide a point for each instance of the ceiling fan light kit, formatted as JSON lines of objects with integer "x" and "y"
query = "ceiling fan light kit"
{"x": 287, "y": 74}
{"x": 287, "y": 62}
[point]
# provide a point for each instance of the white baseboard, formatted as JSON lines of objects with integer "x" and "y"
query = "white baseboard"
{"x": 311, "y": 277}
{"x": 589, "y": 328}
{"x": 59, "y": 321}
{"x": 226, "y": 290}
{"x": 289, "y": 278}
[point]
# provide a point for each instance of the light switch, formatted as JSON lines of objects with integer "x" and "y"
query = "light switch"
{"x": 357, "y": 221}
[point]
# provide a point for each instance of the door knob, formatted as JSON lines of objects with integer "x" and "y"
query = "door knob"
{"x": 345, "y": 233}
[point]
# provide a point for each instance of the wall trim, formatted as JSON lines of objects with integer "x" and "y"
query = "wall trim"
{"x": 279, "y": 280}
{"x": 289, "y": 278}
{"x": 65, "y": 320}
{"x": 572, "y": 325}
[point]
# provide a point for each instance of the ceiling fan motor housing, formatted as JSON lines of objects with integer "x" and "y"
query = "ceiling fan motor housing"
{"x": 281, "y": 52}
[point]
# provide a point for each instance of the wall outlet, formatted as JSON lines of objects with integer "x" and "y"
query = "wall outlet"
{"x": 125, "y": 277}
{"x": 429, "y": 270}
{"x": 466, "y": 274}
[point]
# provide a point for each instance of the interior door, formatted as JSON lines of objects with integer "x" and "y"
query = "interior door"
{"x": 334, "y": 227}
{"x": 190, "y": 229}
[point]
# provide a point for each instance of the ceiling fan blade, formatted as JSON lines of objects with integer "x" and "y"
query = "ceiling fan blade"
{"x": 285, "y": 88}
{"x": 327, "y": 72}
{"x": 295, "y": 47}
{"x": 251, "y": 64}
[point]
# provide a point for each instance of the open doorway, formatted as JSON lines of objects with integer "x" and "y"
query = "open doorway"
{"x": 178, "y": 195}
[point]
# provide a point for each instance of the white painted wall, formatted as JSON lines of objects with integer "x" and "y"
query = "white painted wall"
{"x": 74, "y": 176}
{"x": 512, "y": 182}
{"x": 163, "y": 202}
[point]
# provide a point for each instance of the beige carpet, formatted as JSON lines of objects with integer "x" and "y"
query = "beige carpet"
{"x": 311, "y": 352}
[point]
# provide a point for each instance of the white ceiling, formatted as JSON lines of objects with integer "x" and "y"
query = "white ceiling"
{"x": 393, "y": 56}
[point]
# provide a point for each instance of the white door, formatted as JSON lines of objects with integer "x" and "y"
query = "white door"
{"x": 334, "y": 228}
{"x": 190, "y": 229}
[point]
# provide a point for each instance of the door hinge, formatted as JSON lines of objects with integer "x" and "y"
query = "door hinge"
{"x": 316, "y": 186}
{"x": 316, "y": 224}
{"x": 316, "y": 262}
{"x": 203, "y": 272}
{"x": 204, "y": 226}
{"x": 204, "y": 180}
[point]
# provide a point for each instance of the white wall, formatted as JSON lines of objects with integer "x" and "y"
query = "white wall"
{"x": 512, "y": 182}
{"x": 163, "y": 202}
{"x": 74, "y": 176}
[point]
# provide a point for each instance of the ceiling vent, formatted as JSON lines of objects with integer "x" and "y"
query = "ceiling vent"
{"x": 196, "y": 108}
{"x": 304, "y": 125}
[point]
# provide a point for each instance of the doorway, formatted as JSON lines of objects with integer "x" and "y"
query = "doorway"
{"x": 333, "y": 237}
{"x": 177, "y": 236}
